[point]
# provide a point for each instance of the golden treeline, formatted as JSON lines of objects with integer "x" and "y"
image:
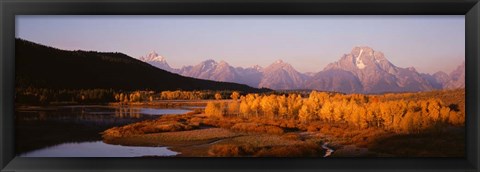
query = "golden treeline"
{"x": 183, "y": 95}
{"x": 146, "y": 96}
{"x": 362, "y": 111}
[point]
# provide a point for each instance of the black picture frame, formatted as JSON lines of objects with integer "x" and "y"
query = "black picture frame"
{"x": 10, "y": 8}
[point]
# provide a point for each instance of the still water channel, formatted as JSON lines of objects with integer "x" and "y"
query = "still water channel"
{"x": 74, "y": 131}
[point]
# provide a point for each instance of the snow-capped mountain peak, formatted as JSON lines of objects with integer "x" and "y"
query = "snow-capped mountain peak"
{"x": 159, "y": 59}
{"x": 257, "y": 67}
{"x": 365, "y": 56}
{"x": 367, "y": 70}
{"x": 362, "y": 70}
{"x": 359, "y": 61}
{"x": 279, "y": 64}
{"x": 223, "y": 63}
{"x": 283, "y": 76}
{"x": 153, "y": 57}
{"x": 412, "y": 69}
{"x": 362, "y": 49}
{"x": 208, "y": 64}
{"x": 156, "y": 60}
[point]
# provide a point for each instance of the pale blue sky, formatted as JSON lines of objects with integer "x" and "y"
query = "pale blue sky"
{"x": 309, "y": 43}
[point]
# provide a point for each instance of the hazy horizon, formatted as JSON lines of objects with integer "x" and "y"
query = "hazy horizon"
{"x": 309, "y": 43}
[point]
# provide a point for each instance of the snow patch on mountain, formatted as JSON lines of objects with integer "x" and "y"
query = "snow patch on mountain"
{"x": 359, "y": 61}
{"x": 366, "y": 71}
{"x": 157, "y": 60}
{"x": 363, "y": 70}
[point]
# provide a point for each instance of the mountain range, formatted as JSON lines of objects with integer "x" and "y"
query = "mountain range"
{"x": 40, "y": 66}
{"x": 363, "y": 70}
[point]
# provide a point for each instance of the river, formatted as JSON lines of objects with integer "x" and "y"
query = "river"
{"x": 74, "y": 131}
{"x": 329, "y": 150}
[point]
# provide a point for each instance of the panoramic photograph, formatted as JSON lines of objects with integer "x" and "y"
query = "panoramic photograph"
{"x": 240, "y": 86}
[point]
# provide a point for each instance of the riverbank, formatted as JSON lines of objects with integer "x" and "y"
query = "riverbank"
{"x": 196, "y": 135}
{"x": 221, "y": 142}
{"x": 188, "y": 104}
{"x": 168, "y": 103}
{"x": 256, "y": 135}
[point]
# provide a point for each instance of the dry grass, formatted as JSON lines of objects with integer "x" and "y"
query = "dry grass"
{"x": 352, "y": 151}
{"x": 256, "y": 127}
{"x": 263, "y": 145}
{"x": 262, "y": 140}
{"x": 292, "y": 136}
{"x": 239, "y": 136}
{"x": 145, "y": 128}
{"x": 450, "y": 143}
{"x": 231, "y": 150}
{"x": 222, "y": 123}
{"x": 307, "y": 149}
{"x": 166, "y": 123}
{"x": 236, "y": 137}
{"x": 179, "y": 138}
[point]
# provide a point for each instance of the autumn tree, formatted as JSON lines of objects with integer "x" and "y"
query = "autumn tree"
{"x": 282, "y": 107}
{"x": 391, "y": 112}
{"x": 269, "y": 106}
{"x": 244, "y": 108}
{"x": 327, "y": 111}
{"x": 214, "y": 109}
{"x": 235, "y": 95}
{"x": 255, "y": 105}
{"x": 434, "y": 106}
{"x": 233, "y": 108}
{"x": 357, "y": 118}
{"x": 218, "y": 96}
{"x": 294, "y": 103}
{"x": 407, "y": 123}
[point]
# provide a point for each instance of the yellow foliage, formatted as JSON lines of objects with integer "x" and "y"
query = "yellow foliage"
{"x": 391, "y": 112}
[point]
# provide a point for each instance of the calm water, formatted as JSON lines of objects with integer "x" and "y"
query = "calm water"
{"x": 194, "y": 107}
{"x": 74, "y": 131}
{"x": 98, "y": 149}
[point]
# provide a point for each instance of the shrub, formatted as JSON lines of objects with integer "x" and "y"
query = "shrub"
{"x": 298, "y": 150}
{"x": 149, "y": 126}
{"x": 215, "y": 110}
{"x": 292, "y": 136}
{"x": 224, "y": 150}
{"x": 259, "y": 128}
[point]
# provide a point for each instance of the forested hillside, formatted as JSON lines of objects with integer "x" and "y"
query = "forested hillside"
{"x": 40, "y": 66}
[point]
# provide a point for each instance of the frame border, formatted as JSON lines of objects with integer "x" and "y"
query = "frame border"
{"x": 10, "y": 8}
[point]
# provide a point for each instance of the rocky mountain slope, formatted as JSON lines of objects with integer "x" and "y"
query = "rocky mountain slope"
{"x": 363, "y": 70}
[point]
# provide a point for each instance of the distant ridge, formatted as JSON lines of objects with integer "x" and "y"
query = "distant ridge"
{"x": 46, "y": 67}
{"x": 363, "y": 70}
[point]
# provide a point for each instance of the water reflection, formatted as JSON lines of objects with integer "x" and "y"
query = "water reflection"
{"x": 39, "y": 127}
{"x": 194, "y": 107}
{"x": 123, "y": 112}
{"x": 98, "y": 149}
{"x": 151, "y": 111}
{"x": 127, "y": 113}
{"x": 94, "y": 114}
